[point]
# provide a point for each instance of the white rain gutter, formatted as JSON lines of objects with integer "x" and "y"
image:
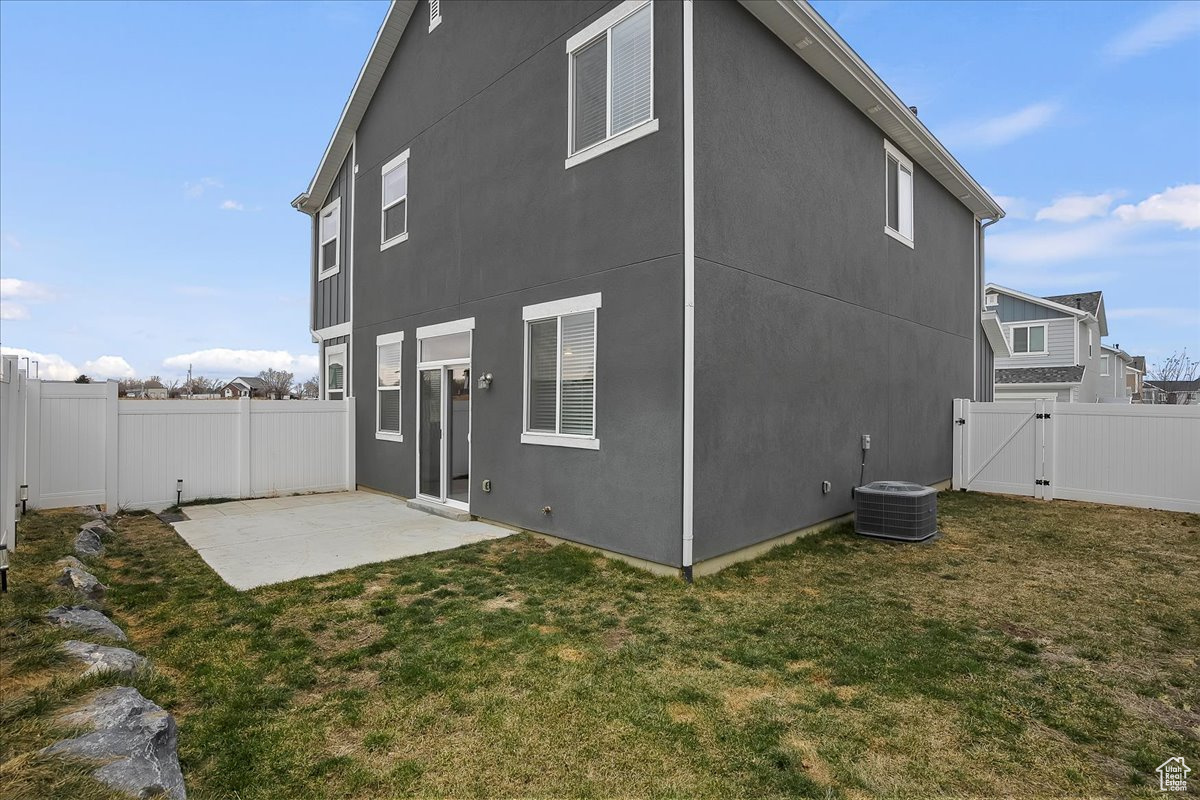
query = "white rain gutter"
{"x": 689, "y": 290}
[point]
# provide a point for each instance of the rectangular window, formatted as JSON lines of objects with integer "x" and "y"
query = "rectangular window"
{"x": 435, "y": 14}
{"x": 1089, "y": 341}
{"x": 1029, "y": 339}
{"x": 393, "y": 221}
{"x": 335, "y": 372}
{"x": 330, "y": 227}
{"x": 560, "y": 373}
{"x": 388, "y": 352}
{"x": 612, "y": 80}
{"x": 899, "y": 181}
{"x": 1104, "y": 365}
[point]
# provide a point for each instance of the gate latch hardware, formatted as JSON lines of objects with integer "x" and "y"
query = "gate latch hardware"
{"x": 960, "y": 421}
{"x": 1042, "y": 416}
{"x": 1041, "y": 482}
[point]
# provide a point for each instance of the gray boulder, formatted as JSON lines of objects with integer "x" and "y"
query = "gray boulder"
{"x": 70, "y": 561}
{"x": 83, "y": 582}
{"x": 89, "y": 511}
{"x": 87, "y": 620}
{"x": 135, "y": 738}
{"x": 103, "y": 659}
{"x": 88, "y": 543}
{"x": 99, "y": 526}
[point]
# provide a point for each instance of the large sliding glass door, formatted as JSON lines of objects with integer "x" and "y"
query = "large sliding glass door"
{"x": 444, "y": 418}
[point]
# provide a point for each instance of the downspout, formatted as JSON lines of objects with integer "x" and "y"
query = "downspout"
{"x": 980, "y": 283}
{"x": 689, "y": 291}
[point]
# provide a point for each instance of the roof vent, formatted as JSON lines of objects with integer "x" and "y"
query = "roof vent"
{"x": 1079, "y": 303}
{"x": 913, "y": 109}
{"x": 898, "y": 510}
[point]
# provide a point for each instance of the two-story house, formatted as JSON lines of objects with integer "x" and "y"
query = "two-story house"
{"x": 641, "y": 274}
{"x": 1049, "y": 347}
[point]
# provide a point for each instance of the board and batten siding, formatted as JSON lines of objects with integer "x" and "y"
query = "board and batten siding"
{"x": 1014, "y": 309}
{"x": 331, "y": 296}
{"x": 1060, "y": 345}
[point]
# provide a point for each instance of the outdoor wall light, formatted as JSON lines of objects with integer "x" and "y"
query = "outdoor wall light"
{"x": 485, "y": 381}
{"x": 3, "y": 568}
{"x": 178, "y": 491}
{"x": 24, "y": 497}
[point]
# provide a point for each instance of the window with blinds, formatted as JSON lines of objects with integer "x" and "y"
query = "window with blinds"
{"x": 561, "y": 375}
{"x": 329, "y": 226}
{"x": 612, "y": 79}
{"x": 899, "y": 182}
{"x": 393, "y": 223}
{"x": 388, "y": 348}
{"x": 335, "y": 372}
{"x": 435, "y": 14}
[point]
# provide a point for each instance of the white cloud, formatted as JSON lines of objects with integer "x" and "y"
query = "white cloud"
{"x": 1003, "y": 129}
{"x": 1169, "y": 25}
{"x": 13, "y": 311}
{"x": 1014, "y": 207}
{"x": 1076, "y": 207}
{"x": 109, "y": 367}
{"x": 194, "y": 189}
{"x": 1187, "y": 317}
{"x": 242, "y": 362}
{"x": 51, "y": 367}
{"x": 1180, "y": 205}
{"x": 1037, "y": 246}
{"x": 232, "y": 205}
{"x": 1046, "y": 279}
{"x": 12, "y": 241}
{"x": 25, "y": 290}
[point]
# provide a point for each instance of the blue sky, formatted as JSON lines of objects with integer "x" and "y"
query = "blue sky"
{"x": 148, "y": 153}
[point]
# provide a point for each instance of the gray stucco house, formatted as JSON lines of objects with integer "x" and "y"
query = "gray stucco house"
{"x": 1050, "y": 348}
{"x": 641, "y": 274}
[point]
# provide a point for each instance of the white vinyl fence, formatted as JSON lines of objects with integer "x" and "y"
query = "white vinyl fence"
{"x": 13, "y": 388}
{"x": 82, "y": 445}
{"x": 1135, "y": 455}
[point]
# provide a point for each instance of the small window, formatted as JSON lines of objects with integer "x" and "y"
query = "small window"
{"x": 899, "y": 181}
{"x": 335, "y": 372}
{"x": 330, "y": 228}
{"x": 388, "y": 352}
{"x": 393, "y": 220}
{"x": 1104, "y": 365}
{"x": 1029, "y": 339}
{"x": 612, "y": 78}
{"x": 435, "y": 14}
{"x": 1090, "y": 343}
{"x": 560, "y": 373}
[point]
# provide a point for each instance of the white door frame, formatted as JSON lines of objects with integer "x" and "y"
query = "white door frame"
{"x": 428, "y": 332}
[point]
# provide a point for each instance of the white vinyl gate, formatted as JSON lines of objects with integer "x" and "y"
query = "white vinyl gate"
{"x": 1138, "y": 455}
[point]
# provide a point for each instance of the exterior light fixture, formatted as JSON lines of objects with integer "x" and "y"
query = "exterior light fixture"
{"x": 485, "y": 381}
{"x": 24, "y": 497}
{"x": 3, "y": 568}
{"x": 178, "y": 491}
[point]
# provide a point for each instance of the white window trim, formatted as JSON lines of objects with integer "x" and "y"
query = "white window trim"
{"x": 1104, "y": 368}
{"x": 330, "y": 352}
{"x": 322, "y": 272}
{"x": 611, "y": 141}
{"x": 555, "y": 309}
{"x": 435, "y": 17}
{"x": 890, "y": 149}
{"x": 381, "y": 340}
{"x": 1045, "y": 340}
{"x": 384, "y": 244}
{"x": 443, "y": 328}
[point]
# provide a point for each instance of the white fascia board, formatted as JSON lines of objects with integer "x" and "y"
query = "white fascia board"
{"x": 557, "y": 308}
{"x": 1041, "y": 301}
{"x": 333, "y": 331}
{"x": 808, "y": 35}
{"x": 995, "y": 334}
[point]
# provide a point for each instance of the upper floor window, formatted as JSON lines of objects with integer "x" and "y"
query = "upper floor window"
{"x": 899, "y": 177}
{"x": 393, "y": 221}
{"x": 1029, "y": 339}
{"x": 330, "y": 226}
{"x": 611, "y": 80}
{"x": 388, "y": 350}
{"x": 335, "y": 372}
{"x": 1104, "y": 365}
{"x": 435, "y": 14}
{"x": 1090, "y": 342}
{"x": 560, "y": 373}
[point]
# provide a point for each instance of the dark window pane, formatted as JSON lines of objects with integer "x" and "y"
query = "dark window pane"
{"x": 591, "y": 93}
{"x": 893, "y": 194}
{"x": 329, "y": 254}
{"x": 395, "y": 220}
{"x": 543, "y": 375}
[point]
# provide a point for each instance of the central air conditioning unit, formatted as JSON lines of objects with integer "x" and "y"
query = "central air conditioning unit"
{"x": 905, "y": 512}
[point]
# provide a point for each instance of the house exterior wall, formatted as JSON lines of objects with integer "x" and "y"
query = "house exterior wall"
{"x": 1091, "y": 389}
{"x": 813, "y": 326}
{"x": 331, "y": 296}
{"x": 496, "y": 223}
{"x": 1060, "y": 345}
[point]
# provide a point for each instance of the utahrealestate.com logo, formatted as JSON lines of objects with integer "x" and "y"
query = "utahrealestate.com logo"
{"x": 1172, "y": 775}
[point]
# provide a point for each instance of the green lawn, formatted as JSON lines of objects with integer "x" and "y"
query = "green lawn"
{"x": 1036, "y": 650}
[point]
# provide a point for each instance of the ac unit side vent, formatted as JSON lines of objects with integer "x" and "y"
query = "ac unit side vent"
{"x": 898, "y": 510}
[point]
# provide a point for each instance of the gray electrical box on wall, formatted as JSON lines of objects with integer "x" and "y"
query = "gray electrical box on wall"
{"x": 866, "y": 441}
{"x": 487, "y": 485}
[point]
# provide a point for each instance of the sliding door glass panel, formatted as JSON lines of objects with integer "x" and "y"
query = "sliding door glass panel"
{"x": 430, "y": 432}
{"x": 458, "y": 432}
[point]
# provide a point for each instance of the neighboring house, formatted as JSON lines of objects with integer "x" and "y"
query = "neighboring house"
{"x": 1047, "y": 347}
{"x": 641, "y": 274}
{"x": 1175, "y": 392}
{"x": 1115, "y": 364}
{"x": 247, "y": 387}
{"x": 148, "y": 390}
{"x": 1135, "y": 376}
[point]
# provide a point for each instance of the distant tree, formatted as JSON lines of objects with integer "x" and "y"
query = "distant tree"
{"x": 155, "y": 378}
{"x": 311, "y": 388}
{"x": 278, "y": 382}
{"x": 1176, "y": 367}
{"x": 174, "y": 389}
{"x": 202, "y": 385}
{"x": 83, "y": 379}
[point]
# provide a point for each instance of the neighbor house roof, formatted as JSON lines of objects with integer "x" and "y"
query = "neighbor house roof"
{"x": 1040, "y": 375}
{"x": 793, "y": 21}
{"x": 152, "y": 385}
{"x": 1084, "y": 301}
{"x": 1176, "y": 386}
{"x": 252, "y": 383}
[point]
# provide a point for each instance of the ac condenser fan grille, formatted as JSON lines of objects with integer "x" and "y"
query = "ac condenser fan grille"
{"x": 897, "y": 510}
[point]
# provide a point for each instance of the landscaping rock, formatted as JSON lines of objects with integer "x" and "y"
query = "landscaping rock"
{"x": 103, "y": 659}
{"x": 70, "y": 561}
{"x": 88, "y": 543}
{"x": 99, "y": 526}
{"x": 86, "y": 619}
{"x": 90, "y": 511}
{"x": 135, "y": 737}
{"x": 83, "y": 582}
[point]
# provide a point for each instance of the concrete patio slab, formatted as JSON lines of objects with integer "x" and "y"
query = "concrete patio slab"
{"x": 253, "y": 543}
